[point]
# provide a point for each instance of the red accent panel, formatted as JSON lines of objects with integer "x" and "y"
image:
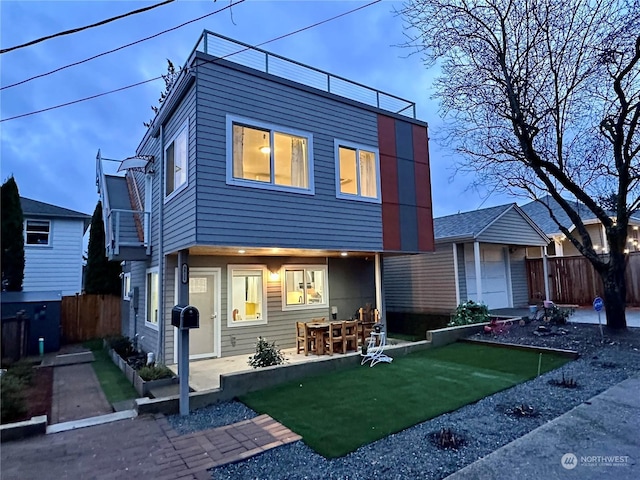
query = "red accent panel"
{"x": 387, "y": 135}
{"x": 420, "y": 144}
{"x": 423, "y": 185}
{"x": 389, "y": 178}
{"x": 425, "y": 229}
{"x": 390, "y": 226}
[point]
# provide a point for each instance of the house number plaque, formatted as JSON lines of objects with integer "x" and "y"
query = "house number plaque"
{"x": 185, "y": 274}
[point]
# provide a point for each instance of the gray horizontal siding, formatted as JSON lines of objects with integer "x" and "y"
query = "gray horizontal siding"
{"x": 147, "y": 337}
{"x": 280, "y": 325}
{"x": 512, "y": 229}
{"x": 519, "y": 287}
{"x": 235, "y": 215}
{"x": 421, "y": 283}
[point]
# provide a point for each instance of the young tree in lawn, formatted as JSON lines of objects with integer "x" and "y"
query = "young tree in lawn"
{"x": 12, "y": 237}
{"x": 543, "y": 97}
{"x": 102, "y": 276}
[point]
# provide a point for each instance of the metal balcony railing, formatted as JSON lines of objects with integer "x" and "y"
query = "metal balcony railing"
{"x": 234, "y": 51}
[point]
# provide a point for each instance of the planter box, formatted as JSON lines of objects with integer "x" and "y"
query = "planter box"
{"x": 142, "y": 387}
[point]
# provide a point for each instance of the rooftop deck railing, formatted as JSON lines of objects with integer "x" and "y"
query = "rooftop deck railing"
{"x": 256, "y": 58}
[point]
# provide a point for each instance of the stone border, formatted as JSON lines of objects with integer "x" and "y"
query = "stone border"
{"x": 572, "y": 354}
{"x": 27, "y": 428}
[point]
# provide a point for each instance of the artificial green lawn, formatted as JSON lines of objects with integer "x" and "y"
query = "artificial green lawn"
{"x": 338, "y": 412}
{"x": 114, "y": 384}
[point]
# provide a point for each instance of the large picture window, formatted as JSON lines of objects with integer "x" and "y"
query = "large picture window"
{"x": 304, "y": 286}
{"x": 152, "y": 298}
{"x": 265, "y": 156}
{"x": 247, "y": 295}
{"x": 37, "y": 232}
{"x": 357, "y": 172}
{"x": 175, "y": 154}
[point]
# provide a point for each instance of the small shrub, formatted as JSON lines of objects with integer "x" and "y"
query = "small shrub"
{"x": 121, "y": 345}
{"x": 470, "y": 312}
{"x": 267, "y": 354}
{"x": 447, "y": 439}
{"x": 155, "y": 372}
{"x": 565, "y": 383}
{"x": 12, "y": 400}
{"x": 559, "y": 316}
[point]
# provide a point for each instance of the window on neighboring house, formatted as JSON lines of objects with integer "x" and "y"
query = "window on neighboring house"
{"x": 153, "y": 305}
{"x": 37, "y": 232}
{"x": 304, "y": 286}
{"x": 263, "y": 156}
{"x": 247, "y": 294}
{"x": 175, "y": 154}
{"x": 126, "y": 285}
{"x": 357, "y": 172}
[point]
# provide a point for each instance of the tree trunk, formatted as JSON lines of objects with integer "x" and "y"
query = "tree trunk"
{"x": 615, "y": 292}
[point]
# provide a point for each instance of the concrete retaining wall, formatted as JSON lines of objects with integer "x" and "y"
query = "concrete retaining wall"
{"x": 18, "y": 430}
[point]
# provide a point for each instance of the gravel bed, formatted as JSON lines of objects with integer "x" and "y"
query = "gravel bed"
{"x": 485, "y": 425}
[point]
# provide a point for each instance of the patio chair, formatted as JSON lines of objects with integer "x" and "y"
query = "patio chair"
{"x": 368, "y": 318}
{"x": 304, "y": 341}
{"x": 335, "y": 339}
{"x": 351, "y": 335}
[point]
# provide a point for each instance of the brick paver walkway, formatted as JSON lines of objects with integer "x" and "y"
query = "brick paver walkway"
{"x": 145, "y": 447}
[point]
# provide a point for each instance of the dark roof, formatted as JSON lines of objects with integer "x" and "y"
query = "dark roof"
{"x": 31, "y": 208}
{"x": 467, "y": 224}
{"x": 538, "y": 212}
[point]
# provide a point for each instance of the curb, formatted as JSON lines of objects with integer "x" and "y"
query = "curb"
{"x": 27, "y": 428}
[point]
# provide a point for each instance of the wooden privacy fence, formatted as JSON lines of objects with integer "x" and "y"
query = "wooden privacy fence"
{"x": 84, "y": 317}
{"x": 573, "y": 280}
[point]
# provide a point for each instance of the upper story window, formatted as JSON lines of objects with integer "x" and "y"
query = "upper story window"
{"x": 304, "y": 286}
{"x": 357, "y": 172}
{"x": 176, "y": 166}
{"x": 37, "y": 232}
{"x": 152, "y": 298}
{"x": 265, "y": 156}
{"x": 248, "y": 293}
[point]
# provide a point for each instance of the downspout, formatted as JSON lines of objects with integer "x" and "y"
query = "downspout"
{"x": 161, "y": 320}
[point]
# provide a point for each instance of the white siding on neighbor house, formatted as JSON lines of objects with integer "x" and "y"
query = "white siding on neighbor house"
{"x": 512, "y": 229}
{"x": 57, "y": 266}
{"x": 421, "y": 283}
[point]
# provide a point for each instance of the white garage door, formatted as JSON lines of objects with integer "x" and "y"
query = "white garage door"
{"x": 495, "y": 289}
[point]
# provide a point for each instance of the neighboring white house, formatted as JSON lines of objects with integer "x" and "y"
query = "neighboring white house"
{"x": 52, "y": 247}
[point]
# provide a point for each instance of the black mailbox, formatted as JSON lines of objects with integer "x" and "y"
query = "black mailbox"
{"x": 185, "y": 316}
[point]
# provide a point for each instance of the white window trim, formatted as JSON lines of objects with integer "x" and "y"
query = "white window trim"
{"x": 184, "y": 127}
{"x": 359, "y": 198}
{"x": 126, "y": 279}
{"x": 246, "y": 323}
{"x": 154, "y": 326}
{"x": 241, "y": 182}
{"x": 37, "y": 245}
{"x": 304, "y": 306}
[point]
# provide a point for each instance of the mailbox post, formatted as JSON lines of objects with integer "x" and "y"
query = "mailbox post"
{"x": 184, "y": 317}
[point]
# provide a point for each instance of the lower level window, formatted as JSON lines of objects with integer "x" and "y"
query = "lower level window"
{"x": 152, "y": 297}
{"x": 247, "y": 294}
{"x": 305, "y": 286}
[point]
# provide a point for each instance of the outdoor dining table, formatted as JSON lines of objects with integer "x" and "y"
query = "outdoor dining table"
{"x": 318, "y": 330}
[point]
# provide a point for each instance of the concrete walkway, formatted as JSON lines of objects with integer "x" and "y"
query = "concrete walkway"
{"x": 141, "y": 448}
{"x": 597, "y": 439}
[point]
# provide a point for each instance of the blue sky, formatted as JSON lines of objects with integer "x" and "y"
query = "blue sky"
{"x": 52, "y": 154}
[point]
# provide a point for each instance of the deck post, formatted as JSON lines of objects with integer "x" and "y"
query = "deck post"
{"x": 183, "y": 334}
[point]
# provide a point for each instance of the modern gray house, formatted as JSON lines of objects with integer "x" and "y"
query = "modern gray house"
{"x": 265, "y": 192}
{"x": 479, "y": 256}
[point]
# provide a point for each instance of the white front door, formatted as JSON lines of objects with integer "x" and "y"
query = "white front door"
{"x": 204, "y": 294}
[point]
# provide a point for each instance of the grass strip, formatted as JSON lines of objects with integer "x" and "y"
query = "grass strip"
{"x": 114, "y": 384}
{"x": 338, "y": 412}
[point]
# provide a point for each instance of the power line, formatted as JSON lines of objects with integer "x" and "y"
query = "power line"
{"x": 205, "y": 62}
{"x": 79, "y": 29}
{"x": 119, "y": 48}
